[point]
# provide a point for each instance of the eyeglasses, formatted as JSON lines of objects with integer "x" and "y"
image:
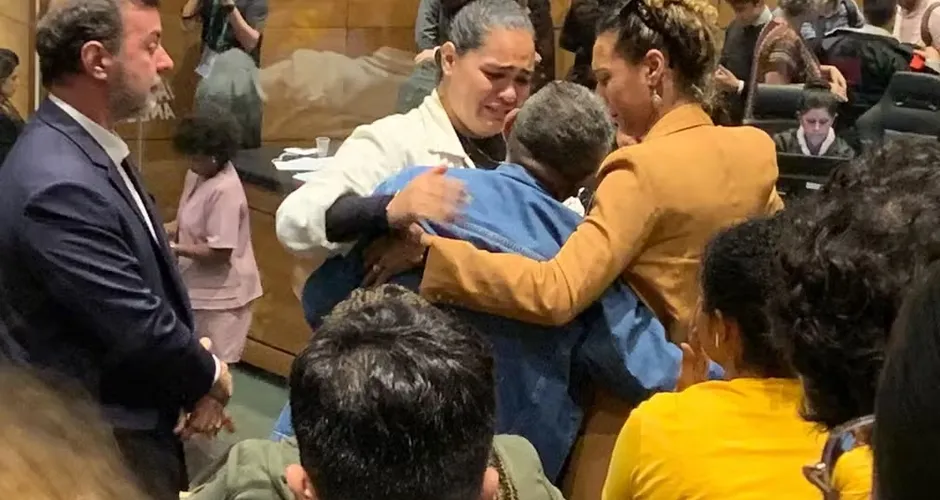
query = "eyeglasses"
{"x": 841, "y": 440}
{"x": 654, "y": 21}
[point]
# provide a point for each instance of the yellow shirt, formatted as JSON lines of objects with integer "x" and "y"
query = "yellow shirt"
{"x": 722, "y": 440}
{"x": 852, "y": 477}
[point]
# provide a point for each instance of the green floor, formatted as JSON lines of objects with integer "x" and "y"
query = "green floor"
{"x": 258, "y": 399}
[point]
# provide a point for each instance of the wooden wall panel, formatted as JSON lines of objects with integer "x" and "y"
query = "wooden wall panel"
{"x": 15, "y": 34}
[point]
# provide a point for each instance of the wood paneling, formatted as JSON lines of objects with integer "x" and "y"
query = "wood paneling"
{"x": 16, "y": 35}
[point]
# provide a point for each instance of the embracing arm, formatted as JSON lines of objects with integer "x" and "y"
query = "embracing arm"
{"x": 555, "y": 291}
{"x": 363, "y": 161}
{"x": 79, "y": 251}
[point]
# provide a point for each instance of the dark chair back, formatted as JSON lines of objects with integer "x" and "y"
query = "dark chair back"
{"x": 775, "y": 107}
{"x": 909, "y": 107}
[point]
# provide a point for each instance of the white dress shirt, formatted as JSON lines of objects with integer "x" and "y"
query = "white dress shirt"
{"x": 117, "y": 151}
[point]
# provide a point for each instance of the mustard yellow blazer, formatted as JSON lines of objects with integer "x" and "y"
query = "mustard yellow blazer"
{"x": 657, "y": 204}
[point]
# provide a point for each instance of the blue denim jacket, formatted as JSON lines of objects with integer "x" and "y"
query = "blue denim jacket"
{"x": 617, "y": 342}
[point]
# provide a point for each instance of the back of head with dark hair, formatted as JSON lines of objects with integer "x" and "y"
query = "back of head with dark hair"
{"x": 564, "y": 127}
{"x": 739, "y": 276}
{"x": 392, "y": 400}
{"x": 817, "y": 95}
{"x": 880, "y": 12}
{"x": 212, "y": 131}
{"x": 907, "y": 408}
{"x": 69, "y": 25}
{"x": 847, "y": 258}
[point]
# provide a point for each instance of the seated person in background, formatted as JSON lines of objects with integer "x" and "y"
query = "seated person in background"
{"x": 56, "y": 445}
{"x": 868, "y": 57}
{"x": 555, "y": 141}
{"x": 907, "y": 434}
{"x": 737, "y": 438}
{"x": 487, "y": 69}
{"x": 844, "y": 277}
{"x": 392, "y": 400}
{"x": 834, "y": 14}
{"x": 815, "y": 135}
{"x": 783, "y": 57}
{"x": 577, "y": 36}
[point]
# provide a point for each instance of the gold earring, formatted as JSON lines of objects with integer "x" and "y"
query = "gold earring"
{"x": 657, "y": 100}
{"x": 716, "y": 341}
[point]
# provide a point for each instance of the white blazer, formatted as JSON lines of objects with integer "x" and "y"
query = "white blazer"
{"x": 423, "y": 136}
{"x": 372, "y": 153}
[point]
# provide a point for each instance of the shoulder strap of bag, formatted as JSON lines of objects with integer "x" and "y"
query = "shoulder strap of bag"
{"x": 925, "y": 24}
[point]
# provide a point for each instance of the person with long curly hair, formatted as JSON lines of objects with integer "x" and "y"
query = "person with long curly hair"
{"x": 741, "y": 437}
{"x": 211, "y": 235}
{"x": 847, "y": 259}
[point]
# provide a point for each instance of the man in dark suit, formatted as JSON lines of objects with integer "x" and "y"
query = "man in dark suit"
{"x": 89, "y": 288}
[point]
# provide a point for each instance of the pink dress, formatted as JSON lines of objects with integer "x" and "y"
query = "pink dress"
{"x": 215, "y": 211}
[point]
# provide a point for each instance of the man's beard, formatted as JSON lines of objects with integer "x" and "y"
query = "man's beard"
{"x": 125, "y": 103}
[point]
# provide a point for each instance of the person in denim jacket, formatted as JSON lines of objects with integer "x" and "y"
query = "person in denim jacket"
{"x": 555, "y": 142}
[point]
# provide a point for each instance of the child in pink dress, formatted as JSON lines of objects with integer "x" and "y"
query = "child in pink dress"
{"x": 211, "y": 234}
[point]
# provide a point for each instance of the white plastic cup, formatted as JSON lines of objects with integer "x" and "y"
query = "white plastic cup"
{"x": 323, "y": 147}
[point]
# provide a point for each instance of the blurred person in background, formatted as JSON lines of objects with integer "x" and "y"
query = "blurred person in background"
{"x": 55, "y": 444}
{"x": 89, "y": 288}
{"x": 737, "y": 53}
{"x": 917, "y": 22}
{"x": 487, "y": 67}
{"x": 227, "y": 24}
{"x": 868, "y": 57}
{"x": 211, "y": 235}
{"x": 783, "y": 57}
{"x": 11, "y": 122}
{"x": 578, "y": 34}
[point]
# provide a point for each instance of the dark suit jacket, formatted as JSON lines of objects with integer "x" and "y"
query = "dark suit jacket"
{"x": 85, "y": 291}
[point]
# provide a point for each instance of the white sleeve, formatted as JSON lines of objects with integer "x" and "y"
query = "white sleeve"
{"x": 369, "y": 156}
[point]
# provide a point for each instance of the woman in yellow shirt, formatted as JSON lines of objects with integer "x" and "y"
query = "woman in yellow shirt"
{"x": 740, "y": 438}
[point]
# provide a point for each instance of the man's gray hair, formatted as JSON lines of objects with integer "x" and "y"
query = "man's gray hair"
{"x": 69, "y": 25}
{"x": 564, "y": 127}
{"x": 475, "y": 20}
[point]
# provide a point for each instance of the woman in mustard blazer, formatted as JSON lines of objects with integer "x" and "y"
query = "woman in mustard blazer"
{"x": 657, "y": 202}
